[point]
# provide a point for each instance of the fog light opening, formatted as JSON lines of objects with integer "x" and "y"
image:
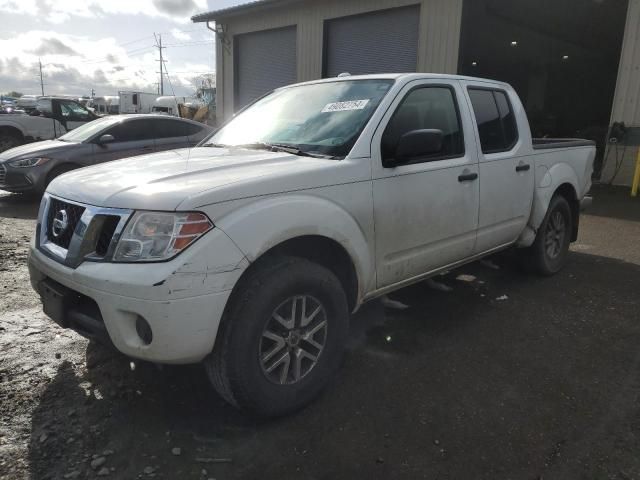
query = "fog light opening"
{"x": 144, "y": 330}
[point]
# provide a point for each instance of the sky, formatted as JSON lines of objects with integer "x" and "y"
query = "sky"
{"x": 105, "y": 45}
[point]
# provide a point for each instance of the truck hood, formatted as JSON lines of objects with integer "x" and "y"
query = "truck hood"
{"x": 187, "y": 179}
{"x": 37, "y": 148}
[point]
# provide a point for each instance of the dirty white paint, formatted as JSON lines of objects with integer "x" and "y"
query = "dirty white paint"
{"x": 396, "y": 224}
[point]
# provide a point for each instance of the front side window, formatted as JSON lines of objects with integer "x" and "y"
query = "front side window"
{"x": 132, "y": 131}
{"x": 322, "y": 118}
{"x": 431, "y": 108}
{"x": 495, "y": 119}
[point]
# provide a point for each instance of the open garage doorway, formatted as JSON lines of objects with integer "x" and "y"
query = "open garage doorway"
{"x": 561, "y": 56}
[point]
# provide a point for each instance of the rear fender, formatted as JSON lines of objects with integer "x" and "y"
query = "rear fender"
{"x": 547, "y": 183}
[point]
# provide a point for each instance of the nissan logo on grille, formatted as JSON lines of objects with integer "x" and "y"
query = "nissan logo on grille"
{"x": 60, "y": 223}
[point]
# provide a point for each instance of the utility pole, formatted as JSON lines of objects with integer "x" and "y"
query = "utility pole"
{"x": 160, "y": 48}
{"x": 41, "y": 80}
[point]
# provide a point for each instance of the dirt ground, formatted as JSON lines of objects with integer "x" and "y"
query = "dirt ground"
{"x": 508, "y": 376}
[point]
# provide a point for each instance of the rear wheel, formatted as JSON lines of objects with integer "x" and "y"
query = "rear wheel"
{"x": 9, "y": 140}
{"x": 282, "y": 338}
{"x": 549, "y": 253}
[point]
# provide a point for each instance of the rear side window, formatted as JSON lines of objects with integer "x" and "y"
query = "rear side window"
{"x": 169, "y": 128}
{"x": 495, "y": 118}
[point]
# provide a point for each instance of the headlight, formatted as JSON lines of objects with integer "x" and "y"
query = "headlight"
{"x": 29, "y": 162}
{"x": 157, "y": 236}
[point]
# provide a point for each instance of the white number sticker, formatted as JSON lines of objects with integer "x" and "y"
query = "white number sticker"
{"x": 345, "y": 106}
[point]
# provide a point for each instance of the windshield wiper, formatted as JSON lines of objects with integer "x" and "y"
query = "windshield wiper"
{"x": 276, "y": 147}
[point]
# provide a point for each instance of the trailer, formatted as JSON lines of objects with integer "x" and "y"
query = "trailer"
{"x": 137, "y": 102}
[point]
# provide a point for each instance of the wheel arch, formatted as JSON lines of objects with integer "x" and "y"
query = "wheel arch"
{"x": 307, "y": 227}
{"x": 560, "y": 179}
{"x": 12, "y": 130}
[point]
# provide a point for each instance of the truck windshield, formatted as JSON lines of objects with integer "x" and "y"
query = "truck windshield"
{"x": 88, "y": 130}
{"x": 322, "y": 119}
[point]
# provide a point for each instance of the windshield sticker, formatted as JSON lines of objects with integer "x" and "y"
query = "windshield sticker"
{"x": 345, "y": 106}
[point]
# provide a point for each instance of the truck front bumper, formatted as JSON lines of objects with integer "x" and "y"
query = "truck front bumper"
{"x": 160, "y": 312}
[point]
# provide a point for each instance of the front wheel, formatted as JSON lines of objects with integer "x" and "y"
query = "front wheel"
{"x": 282, "y": 338}
{"x": 550, "y": 250}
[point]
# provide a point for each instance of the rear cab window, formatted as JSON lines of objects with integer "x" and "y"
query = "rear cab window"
{"x": 495, "y": 119}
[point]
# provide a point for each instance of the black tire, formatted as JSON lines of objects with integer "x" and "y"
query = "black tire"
{"x": 550, "y": 250}
{"x": 235, "y": 368}
{"x": 9, "y": 140}
{"x": 57, "y": 171}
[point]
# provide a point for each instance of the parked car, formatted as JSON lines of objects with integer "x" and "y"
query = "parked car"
{"x": 249, "y": 252}
{"x": 51, "y": 118}
{"x": 30, "y": 168}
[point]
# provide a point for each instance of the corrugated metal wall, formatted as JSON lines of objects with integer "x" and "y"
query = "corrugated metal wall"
{"x": 384, "y": 41}
{"x": 626, "y": 102}
{"x": 438, "y": 42}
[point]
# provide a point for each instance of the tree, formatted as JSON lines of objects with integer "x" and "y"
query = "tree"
{"x": 207, "y": 80}
{"x": 13, "y": 93}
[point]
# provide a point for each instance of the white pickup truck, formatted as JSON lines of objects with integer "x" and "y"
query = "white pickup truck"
{"x": 51, "y": 118}
{"x": 250, "y": 251}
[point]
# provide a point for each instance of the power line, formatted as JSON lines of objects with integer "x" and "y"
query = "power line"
{"x": 189, "y": 44}
{"x": 134, "y": 41}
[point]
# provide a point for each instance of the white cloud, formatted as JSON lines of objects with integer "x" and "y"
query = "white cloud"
{"x": 59, "y": 11}
{"x": 180, "y": 35}
{"x": 74, "y": 64}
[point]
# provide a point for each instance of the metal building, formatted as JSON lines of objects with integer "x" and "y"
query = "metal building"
{"x": 575, "y": 63}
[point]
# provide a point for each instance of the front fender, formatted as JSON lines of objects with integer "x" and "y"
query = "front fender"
{"x": 265, "y": 223}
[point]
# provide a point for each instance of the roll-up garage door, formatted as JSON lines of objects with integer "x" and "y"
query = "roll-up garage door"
{"x": 381, "y": 42}
{"x": 263, "y": 61}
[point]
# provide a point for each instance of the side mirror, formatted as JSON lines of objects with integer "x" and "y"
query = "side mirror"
{"x": 416, "y": 143}
{"x": 104, "y": 139}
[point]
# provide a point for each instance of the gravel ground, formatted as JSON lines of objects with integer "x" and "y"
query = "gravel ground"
{"x": 508, "y": 376}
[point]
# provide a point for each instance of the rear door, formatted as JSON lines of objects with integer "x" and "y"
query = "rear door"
{"x": 426, "y": 210}
{"x": 131, "y": 138}
{"x": 506, "y": 168}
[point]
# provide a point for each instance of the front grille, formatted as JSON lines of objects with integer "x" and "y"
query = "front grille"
{"x": 88, "y": 234}
{"x": 72, "y": 213}
{"x": 109, "y": 225}
{"x": 3, "y": 174}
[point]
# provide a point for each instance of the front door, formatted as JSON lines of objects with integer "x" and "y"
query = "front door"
{"x": 130, "y": 138}
{"x": 426, "y": 209}
{"x": 72, "y": 114}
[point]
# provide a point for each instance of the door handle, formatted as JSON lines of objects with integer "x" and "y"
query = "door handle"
{"x": 523, "y": 167}
{"x": 468, "y": 177}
